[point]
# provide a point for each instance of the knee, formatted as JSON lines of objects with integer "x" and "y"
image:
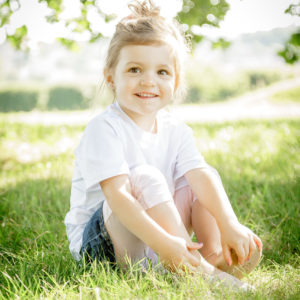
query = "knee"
{"x": 148, "y": 185}
{"x": 145, "y": 175}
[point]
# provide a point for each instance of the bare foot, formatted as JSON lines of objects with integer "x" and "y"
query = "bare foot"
{"x": 230, "y": 281}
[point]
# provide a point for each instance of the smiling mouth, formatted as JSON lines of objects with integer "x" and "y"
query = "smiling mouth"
{"x": 144, "y": 95}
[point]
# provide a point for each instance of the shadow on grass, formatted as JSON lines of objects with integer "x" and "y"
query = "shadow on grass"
{"x": 34, "y": 247}
{"x": 32, "y": 214}
{"x": 273, "y": 213}
{"x": 267, "y": 200}
{"x": 33, "y": 241}
{"x": 257, "y": 161}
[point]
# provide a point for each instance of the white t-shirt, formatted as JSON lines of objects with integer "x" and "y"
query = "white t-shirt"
{"x": 112, "y": 144}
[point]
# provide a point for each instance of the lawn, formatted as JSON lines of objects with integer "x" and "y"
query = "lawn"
{"x": 258, "y": 161}
{"x": 291, "y": 95}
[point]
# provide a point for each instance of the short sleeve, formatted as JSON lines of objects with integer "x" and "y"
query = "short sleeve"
{"x": 100, "y": 154}
{"x": 188, "y": 156}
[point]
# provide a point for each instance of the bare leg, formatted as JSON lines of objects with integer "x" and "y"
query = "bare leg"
{"x": 149, "y": 187}
{"x": 207, "y": 232}
{"x": 197, "y": 218}
{"x": 128, "y": 248}
{"x": 168, "y": 217}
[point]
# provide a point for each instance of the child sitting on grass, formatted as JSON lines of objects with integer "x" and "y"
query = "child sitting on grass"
{"x": 140, "y": 186}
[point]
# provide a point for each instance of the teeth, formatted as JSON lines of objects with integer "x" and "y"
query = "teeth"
{"x": 146, "y": 95}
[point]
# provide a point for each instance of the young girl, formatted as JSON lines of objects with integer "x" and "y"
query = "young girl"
{"x": 140, "y": 187}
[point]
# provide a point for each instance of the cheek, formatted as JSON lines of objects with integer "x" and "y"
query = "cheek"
{"x": 120, "y": 86}
{"x": 172, "y": 87}
{"x": 127, "y": 84}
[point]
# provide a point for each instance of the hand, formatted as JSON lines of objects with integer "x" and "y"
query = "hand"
{"x": 177, "y": 255}
{"x": 239, "y": 238}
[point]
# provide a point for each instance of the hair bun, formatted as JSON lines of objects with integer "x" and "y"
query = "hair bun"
{"x": 144, "y": 8}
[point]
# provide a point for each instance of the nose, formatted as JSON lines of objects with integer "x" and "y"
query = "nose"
{"x": 147, "y": 80}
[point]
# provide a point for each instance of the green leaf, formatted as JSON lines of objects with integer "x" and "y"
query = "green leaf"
{"x": 295, "y": 39}
{"x": 95, "y": 37}
{"x": 5, "y": 13}
{"x": 221, "y": 43}
{"x": 290, "y": 54}
{"x": 197, "y": 38}
{"x": 18, "y": 37}
{"x": 54, "y": 4}
{"x": 196, "y": 12}
{"x": 53, "y": 18}
{"x": 293, "y": 9}
{"x": 70, "y": 44}
{"x": 88, "y": 2}
{"x": 108, "y": 18}
{"x": 82, "y": 25}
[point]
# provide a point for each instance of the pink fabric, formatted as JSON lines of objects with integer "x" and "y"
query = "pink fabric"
{"x": 149, "y": 187}
{"x": 184, "y": 199}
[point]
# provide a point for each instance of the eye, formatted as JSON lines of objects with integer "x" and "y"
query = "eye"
{"x": 134, "y": 70}
{"x": 163, "y": 72}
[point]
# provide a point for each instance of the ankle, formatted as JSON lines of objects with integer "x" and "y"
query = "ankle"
{"x": 214, "y": 258}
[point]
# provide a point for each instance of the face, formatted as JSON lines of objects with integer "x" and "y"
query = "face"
{"x": 143, "y": 79}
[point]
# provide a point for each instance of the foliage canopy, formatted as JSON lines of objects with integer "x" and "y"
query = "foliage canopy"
{"x": 291, "y": 51}
{"x": 194, "y": 14}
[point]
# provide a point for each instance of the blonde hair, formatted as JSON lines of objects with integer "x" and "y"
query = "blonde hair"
{"x": 145, "y": 26}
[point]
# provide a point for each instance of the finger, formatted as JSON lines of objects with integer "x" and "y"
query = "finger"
{"x": 227, "y": 255}
{"x": 240, "y": 252}
{"x": 246, "y": 250}
{"x": 252, "y": 248}
{"x": 258, "y": 242}
{"x": 194, "y": 246}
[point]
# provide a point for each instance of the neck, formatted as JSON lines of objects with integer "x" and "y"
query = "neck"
{"x": 148, "y": 124}
{"x": 145, "y": 122}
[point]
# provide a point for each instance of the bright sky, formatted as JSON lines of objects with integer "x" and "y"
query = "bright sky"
{"x": 244, "y": 16}
{"x": 256, "y": 15}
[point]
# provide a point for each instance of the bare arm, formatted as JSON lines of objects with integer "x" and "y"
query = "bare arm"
{"x": 210, "y": 192}
{"x": 172, "y": 249}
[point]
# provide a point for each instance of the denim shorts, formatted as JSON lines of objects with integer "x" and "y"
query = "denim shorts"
{"x": 96, "y": 242}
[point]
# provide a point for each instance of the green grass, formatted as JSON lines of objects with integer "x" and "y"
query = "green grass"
{"x": 257, "y": 160}
{"x": 292, "y": 95}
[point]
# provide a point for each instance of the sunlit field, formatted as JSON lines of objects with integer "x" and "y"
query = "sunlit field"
{"x": 258, "y": 161}
{"x": 291, "y": 95}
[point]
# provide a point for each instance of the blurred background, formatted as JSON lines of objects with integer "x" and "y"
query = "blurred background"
{"x": 244, "y": 52}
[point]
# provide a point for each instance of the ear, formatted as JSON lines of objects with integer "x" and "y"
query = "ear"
{"x": 109, "y": 78}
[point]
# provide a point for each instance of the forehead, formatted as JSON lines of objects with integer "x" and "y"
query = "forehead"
{"x": 147, "y": 54}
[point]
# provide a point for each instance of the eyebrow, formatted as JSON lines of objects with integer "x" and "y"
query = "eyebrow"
{"x": 139, "y": 63}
